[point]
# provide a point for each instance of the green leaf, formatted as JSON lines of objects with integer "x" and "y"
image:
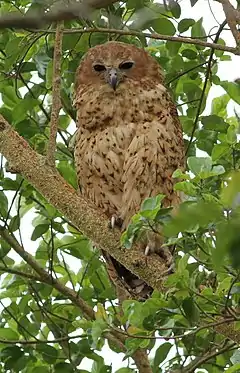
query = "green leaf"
{"x": 98, "y": 327}
{"x": 198, "y": 166}
{"x": 202, "y": 167}
{"x": 132, "y": 4}
{"x": 232, "y": 135}
{"x": 192, "y": 90}
{"x": 23, "y": 107}
{"x": 14, "y": 223}
{"x": 9, "y": 184}
{"x": 58, "y": 227}
{"x": 233, "y": 90}
{"x": 64, "y": 368}
{"x": 39, "y": 231}
{"x": 163, "y": 26}
{"x": 27, "y": 67}
{"x": 152, "y": 202}
{"x": 225, "y": 57}
{"x": 185, "y": 24}
{"x": 175, "y": 8}
{"x": 11, "y": 50}
{"x": 217, "y": 170}
{"x": 100, "y": 367}
{"x": 215, "y": 123}
{"x": 41, "y": 61}
{"x": 173, "y": 47}
{"x": 182, "y": 264}
{"x": 235, "y": 368}
{"x": 8, "y": 334}
{"x": 189, "y": 53}
{"x": 67, "y": 171}
{"x": 161, "y": 354}
{"x": 9, "y": 96}
{"x": 227, "y": 244}
{"x": 198, "y": 31}
{"x": 191, "y": 310}
{"x": 3, "y": 205}
{"x": 4, "y": 248}
{"x": 230, "y": 194}
{"x": 191, "y": 215}
{"x": 187, "y": 187}
{"x": 181, "y": 175}
{"x": 219, "y": 53}
{"x": 48, "y": 353}
{"x": 12, "y": 352}
{"x": 125, "y": 370}
{"x": 219, "y": 105}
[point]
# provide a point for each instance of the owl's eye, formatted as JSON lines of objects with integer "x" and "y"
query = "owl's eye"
{"x": 99, "y": 68}
{"x": 126, "y": 65}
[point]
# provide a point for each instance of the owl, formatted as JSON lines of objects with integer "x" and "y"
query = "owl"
{"x": 128, "y": 142}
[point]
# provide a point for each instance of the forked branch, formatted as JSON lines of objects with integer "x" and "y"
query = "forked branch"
{"x": 24, "y": 160}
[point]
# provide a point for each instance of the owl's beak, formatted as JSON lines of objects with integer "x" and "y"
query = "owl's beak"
{"x": 113, "y": 78}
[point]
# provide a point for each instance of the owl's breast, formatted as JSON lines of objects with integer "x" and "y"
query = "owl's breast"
{"x": 103, "y": 150}
{"x": 108, "y": 108}
{"x": 100, "y": 156}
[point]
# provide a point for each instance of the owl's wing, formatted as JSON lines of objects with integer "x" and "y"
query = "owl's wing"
{"x": 155, "y": 152}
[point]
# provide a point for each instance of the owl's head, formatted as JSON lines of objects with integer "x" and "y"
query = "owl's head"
{"x": 115, "y": 63}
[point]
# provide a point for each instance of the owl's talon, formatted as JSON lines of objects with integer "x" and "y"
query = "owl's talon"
{"x": 163, "y": 251}
{"x": 147, "y": 250}
{"x": 170, "y": 270}
{"x": 167, "y": 256}
{"x": 115, "y": 222}
{"x": 112, "y": 222}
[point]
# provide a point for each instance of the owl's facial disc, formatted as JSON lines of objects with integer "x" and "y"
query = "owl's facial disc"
{"x": 114, "y": 75}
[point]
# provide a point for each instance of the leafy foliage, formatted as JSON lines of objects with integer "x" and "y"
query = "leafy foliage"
{"x": 42, "y": 330}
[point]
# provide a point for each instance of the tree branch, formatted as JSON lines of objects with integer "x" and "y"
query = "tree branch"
{"x": 74, "y": 11}
{"x": 140, "y": 356}
{"x": 61, "y": 195}
{"x": 179, "y": 39}
{"x": 19, "y": 273}
{"x": 233, "y": 18}
{"x": 40, "y": 341}
{"x": 198, "y": 361}
{"x": 56, "y": 95}
{"x": 45, "y": 276}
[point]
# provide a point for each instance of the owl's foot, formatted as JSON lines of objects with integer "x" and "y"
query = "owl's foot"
{"x": 164, "y": 253}
{"x": 115, "y": 221}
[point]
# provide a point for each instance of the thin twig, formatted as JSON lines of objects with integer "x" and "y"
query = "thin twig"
{"x": 208, "y": 72}
{"x": 192, "y": 331}
{"x": 198, "y": 361}
{"x": 41, "y": 341}
{"x": 140, "y": 356}
{"x": 56, "y": 95}
{"x": 19, "y": 273}
{"x": 47, "y": 278}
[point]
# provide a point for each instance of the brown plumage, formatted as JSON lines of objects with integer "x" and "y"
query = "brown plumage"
{"x": 129, "y": 139}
